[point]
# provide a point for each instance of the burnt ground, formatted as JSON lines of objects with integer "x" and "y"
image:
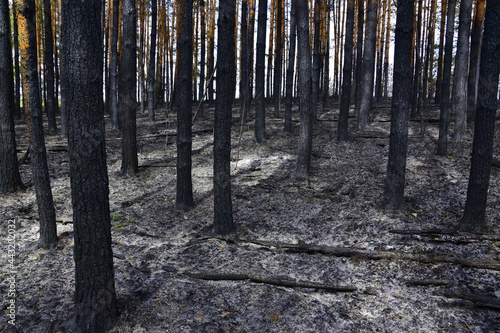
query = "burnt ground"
{"x": 319, "y": 255}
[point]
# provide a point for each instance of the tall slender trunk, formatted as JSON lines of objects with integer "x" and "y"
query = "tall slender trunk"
{"x": 444, "y": 118}
{"x": 366, "y": 101}
{"x": 260, "y": 102}
{"x": 316, "y": 59}
{"x": 475, "y": 56}
{"x": 211, "y": 55}
{"x": 183, "y": 100}
{"x": 303, "y": 163}
{"x": 440, "y": 60}
{"x": 474, "y": 219}
{"x": 417, "y": 64}
{"x": 17, "y": 74}
{"x": 152, "y": 63}
{"x": 244, "y": 61}
{"x": 359, "y": 54}
{"x": 386, "y": 53}
{"x": 462, "y": 70}
{"x": 113, "y": 67}
{"x": 10, "y": 179}
{"x": 270, "y": 53}
{"x": 50, "y": 107}
{"x": 33, "y": 108}
{"x": 278, "y": 62}
{"x": 345, "y": 99}
{"x": 128, "y": 87}
{"x": 223, "y": 211}
{"x": 95, "y": 295}
{"x": 400, "y": 109}
{"x": 291, "y": 66}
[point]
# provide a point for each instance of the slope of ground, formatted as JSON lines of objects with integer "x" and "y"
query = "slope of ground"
{"x": 319, "y": 255}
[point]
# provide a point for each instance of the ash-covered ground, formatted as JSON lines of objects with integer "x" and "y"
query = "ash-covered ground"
{"x": 319, "y": 255}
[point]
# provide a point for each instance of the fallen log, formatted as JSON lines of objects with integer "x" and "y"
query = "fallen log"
{"x": 448, "y": 236}
{"x": 490, "y": 302}
{"x": 340, "y": 251}
{"x": 275, "y": 281}
{"x": 431, "y": 282}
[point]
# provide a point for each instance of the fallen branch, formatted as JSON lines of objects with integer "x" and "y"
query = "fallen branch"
{"x": 339, "y": 251}
{"x": 448, "y": 236}
{"x": 490, "y": 302}
{"x": 36, "y": 217}
{"x": 428, "y": 283}
{"x": 159, "y": 135}
{"x": 271, "y": 281}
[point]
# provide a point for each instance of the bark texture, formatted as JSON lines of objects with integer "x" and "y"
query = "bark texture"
{"x": 152, "y": 63}
{"x": 345, "y": 98}
{"x": 444, "y": 118}
{"x": 400, "y": 109}
{"x": 223, "y": 209}
{"x": 365, "y": 104}
{"x": 128, "y": 85}
{"x": 95, "y": 296}
{"x": 291, "y": 67}
{"x": 183, "y": 100}
{"x": 260, "y": 103}
{"x": 462, "y": 70}
{"x": 10, "y": 180}
{"x": 474, "y": 218}
{"x": 303, "y": 164}
{"x": 33, "y": 107}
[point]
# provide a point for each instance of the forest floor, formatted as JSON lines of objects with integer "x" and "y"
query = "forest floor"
{"x": 319, "y": 255}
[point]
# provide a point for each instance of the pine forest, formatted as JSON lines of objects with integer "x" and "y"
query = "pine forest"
{"x": 249, "y": 166}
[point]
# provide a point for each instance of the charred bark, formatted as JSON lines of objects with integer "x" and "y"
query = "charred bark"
{"x": 223, "y": 209}
{"x": 400, "y": 110}
{"x": 10, "y": 179}
{"x": 474, "y": 218}
{"x": 183, "y": 100}
{"x": 33, "y": 107}
{"x": 260, "y": 103}
{"x": 95, "y": 296}
{"x": 345, "y": 98}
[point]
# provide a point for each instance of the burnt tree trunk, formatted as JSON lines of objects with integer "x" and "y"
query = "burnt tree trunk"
{"x": 202, "y": 58}
{"x": 278, "y": 64}
{"x": 365, "y": 104}
{"x": 223, "y": 209}
{"x": 51, "y": 105}
{"x": 345, "y": 98}
{"x": 475, "y": 50}
{"x": 303, "y": 163}
{"x": 244, "y": 61}
{"x": 152, "y": 63}
{"x": 10, "y": 180}
{"x": 291, "y": 67}
{"x": 260, "y": 103}
{"x": 95, "y": 296}
{"x": 359, "y": 54}
{"x": 33, "y": 107}
{"x": 474, "y": 218}
{"x": 400, "y": 110}
{"x": 113, "y": 67}
{"x": 17, "y": 110}
{"x": 183, "y": 100}
{"x": 462, "y": 70}
{"x": 316, "y": 59}
{"x": 128, "y": 83}
{"x": 444, "y": 118}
